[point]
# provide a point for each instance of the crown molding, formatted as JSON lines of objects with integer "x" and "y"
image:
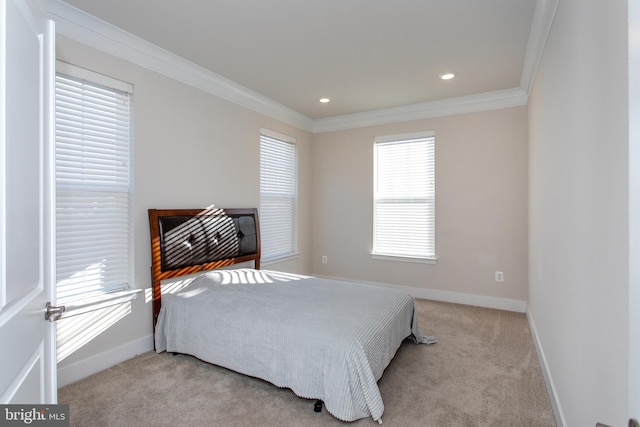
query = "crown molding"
{"x": 447, "y": 107}
{"x": 545, "y": 11}
{"x": 542, "y": 21}
{"x": 82, "y": 27}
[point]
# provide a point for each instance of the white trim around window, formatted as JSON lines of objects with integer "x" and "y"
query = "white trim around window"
{"x": 94, "y": 190}
{"x": 404, "y": 198}
{"x": 278, "y": 196}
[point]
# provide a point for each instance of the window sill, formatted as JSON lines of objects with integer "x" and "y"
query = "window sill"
{"x": 276, "y": 260}
{"x": 97, "y": 302}
{"x": 401, "y": 258}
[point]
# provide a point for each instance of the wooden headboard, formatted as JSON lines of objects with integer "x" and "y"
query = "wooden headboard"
{"x": 187, "y": 241}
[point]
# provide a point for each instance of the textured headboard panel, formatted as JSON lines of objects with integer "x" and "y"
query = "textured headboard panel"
{"x": 187, "y": 241}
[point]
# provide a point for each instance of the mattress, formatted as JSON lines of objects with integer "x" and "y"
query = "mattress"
{"x": 324, "y": 339}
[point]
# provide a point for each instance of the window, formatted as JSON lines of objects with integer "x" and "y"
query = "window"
{"x": 404, "y": 197}
{"x": 93, "y": 186}
{"x": 278, "y": 195}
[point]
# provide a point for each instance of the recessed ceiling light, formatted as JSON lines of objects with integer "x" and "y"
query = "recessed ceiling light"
{"x": 324, "y": 100}
{"x": 447, "y": 76}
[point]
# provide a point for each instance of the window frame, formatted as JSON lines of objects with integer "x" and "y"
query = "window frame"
{"x": 103, "y": 296}
{"x": 267, "y": 135}
{"x": 379, "y": 251}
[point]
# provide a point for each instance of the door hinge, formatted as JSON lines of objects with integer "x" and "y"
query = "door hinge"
{"x": 52, "y": 312}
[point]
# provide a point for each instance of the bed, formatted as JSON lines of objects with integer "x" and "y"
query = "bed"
{"x": 324, "y": 339}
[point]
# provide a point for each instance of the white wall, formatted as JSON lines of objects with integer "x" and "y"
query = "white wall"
{"x": 192, "y": 150}
{"x": 481, "y": 208}
{"x": 578, "y": 233}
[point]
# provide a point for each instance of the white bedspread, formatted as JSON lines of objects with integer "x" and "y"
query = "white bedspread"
{"x": 323, "y": 339}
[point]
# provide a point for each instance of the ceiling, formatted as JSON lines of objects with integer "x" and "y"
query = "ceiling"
{"x": 365, "y": 55}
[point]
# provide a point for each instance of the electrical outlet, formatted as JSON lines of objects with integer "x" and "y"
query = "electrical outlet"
{"x": 324, "y": 259}
{"x": 499, "y": 276}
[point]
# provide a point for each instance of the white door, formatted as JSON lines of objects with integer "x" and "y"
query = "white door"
{"x": 27, "y": 352}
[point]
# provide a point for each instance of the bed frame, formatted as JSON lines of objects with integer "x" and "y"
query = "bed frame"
{"x": 188, "y": 241}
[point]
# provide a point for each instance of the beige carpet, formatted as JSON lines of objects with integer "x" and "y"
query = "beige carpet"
{"x": 484, "y": 371}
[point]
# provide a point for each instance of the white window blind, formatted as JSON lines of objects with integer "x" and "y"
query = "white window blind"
{"x": 93, "y": 185}
{"x": 404, "y": 196}
{"x": 278, "y": 195}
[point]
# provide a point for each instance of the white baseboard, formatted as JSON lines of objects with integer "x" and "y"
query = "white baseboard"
{"x": 551, "y": 389}
{"x": 94, "y": 364}
{"x": 448, "y": 296}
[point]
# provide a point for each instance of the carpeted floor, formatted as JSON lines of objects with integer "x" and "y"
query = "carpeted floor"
{"x": 484, "y": 371}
